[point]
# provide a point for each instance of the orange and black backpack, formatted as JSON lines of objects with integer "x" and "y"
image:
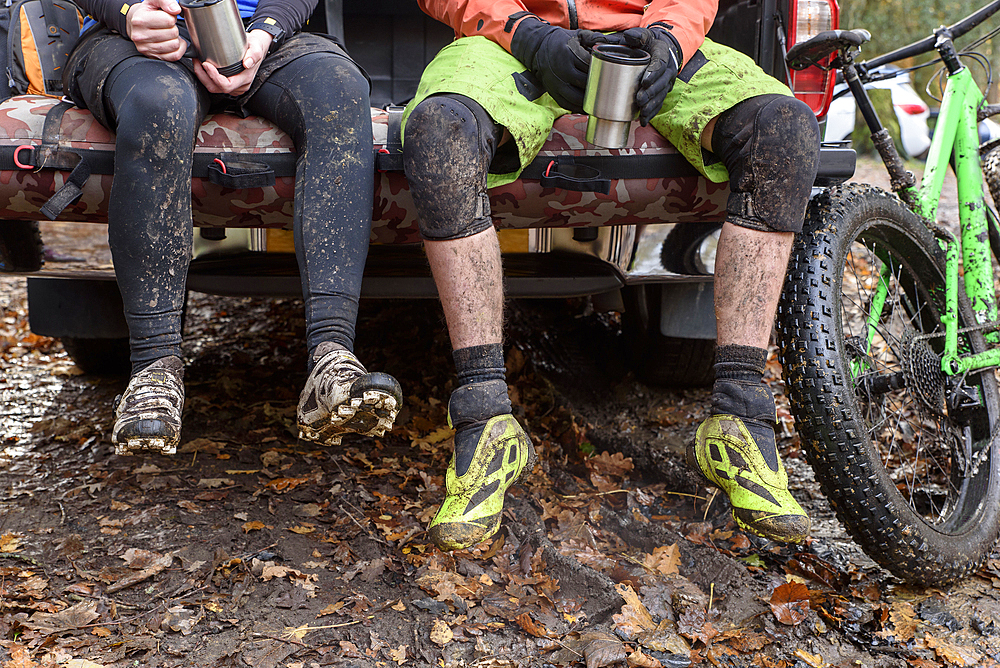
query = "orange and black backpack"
{"x": 42, "y": 34}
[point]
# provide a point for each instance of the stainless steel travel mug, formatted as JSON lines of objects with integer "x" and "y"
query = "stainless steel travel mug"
{"x": 217, "y": 33}
{"x": 612, "y": 83}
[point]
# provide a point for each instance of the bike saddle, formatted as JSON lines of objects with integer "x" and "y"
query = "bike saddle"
{"x": 815, "y": 49}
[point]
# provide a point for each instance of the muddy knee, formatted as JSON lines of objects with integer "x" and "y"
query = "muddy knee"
{"x": 770, "y": 145}
{"x": 448, "y": 144}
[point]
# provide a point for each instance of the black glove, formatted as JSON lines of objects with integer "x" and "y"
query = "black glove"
{"x": 665, "y": 61}
{"x": 558, "y": 57}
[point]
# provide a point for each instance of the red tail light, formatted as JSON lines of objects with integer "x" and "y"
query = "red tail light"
{"x": 806, "y": 19}
{"x": 913, "y": 109}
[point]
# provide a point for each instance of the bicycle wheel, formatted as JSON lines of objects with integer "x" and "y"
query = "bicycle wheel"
{"x": 904, "y": 454}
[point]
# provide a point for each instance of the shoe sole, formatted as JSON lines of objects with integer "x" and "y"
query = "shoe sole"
{"x": 371, "y": 414}
{"x": 136, "y": 445}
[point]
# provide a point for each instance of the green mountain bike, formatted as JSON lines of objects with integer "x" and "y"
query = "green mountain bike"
{"x": 888, "y": 330}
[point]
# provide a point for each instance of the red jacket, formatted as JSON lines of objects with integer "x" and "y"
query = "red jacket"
{"x": 690, "y": 19}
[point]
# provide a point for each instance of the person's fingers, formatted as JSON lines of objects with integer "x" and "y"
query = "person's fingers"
{"x": 653, "y": 72}
{"x": 638, "y": 38}
{"x": 257, "y": 48}
{"x": 168, "y": 6}
{"x": 177, "y": 53}
{"x": 201, "y": 71}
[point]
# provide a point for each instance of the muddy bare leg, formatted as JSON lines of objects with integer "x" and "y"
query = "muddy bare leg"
{"x": 449, "y": 144}
{"x": 749, "y": 272}
{"x": 769, "y": 145}
{"x": 469, "y": 279}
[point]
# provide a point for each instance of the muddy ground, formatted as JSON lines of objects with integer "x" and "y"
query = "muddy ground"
{"x": 253, "y": 548}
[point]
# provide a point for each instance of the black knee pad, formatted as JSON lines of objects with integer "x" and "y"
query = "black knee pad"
{"x": 770, "y": 145}
{"x": 449, "y": 141}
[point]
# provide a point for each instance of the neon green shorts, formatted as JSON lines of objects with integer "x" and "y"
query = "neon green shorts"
{"x": 715, "y": 79}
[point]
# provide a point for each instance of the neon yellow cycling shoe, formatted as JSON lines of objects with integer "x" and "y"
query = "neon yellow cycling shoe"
{"x": 749, "y": 471}
{"x": 491, "y": 454}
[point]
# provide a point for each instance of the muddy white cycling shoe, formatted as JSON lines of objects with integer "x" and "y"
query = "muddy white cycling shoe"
{"x": 148, "y": 414}
{"x": 342, "y": 397}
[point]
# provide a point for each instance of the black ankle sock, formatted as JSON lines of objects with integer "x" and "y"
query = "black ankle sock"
{"x": 743, "y": 363}
{"x": 477, "y": 364}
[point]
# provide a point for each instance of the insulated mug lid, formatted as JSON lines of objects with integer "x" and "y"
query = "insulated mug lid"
{"x": 619, "y": 54}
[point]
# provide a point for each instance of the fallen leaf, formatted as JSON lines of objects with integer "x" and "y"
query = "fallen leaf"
{"x": 530, "y": 626}
{"x": 303, "y": 529}
{"x": 82, "y": 663}
{"x": 790, "y": 603}
{"x": 953, "y": 654}
{"x": 639, "y": 660}
{"x": 101, "y": 632}
{"x": 904, "y": 624}
{"x": 398, "y": 655}
{"x": 189, "y": 506}
{"x": 212, "y": 483}
{"x": 256, "y": 525}
{"x": 297, "y": 632}
{"x": 664, "y": 560}
{"x": 20, "y": 657}
{"x": 441, "y": 633}
{"x": 603, "y": 650}
{"x": 634, "y": 617}
{"x": 70, "y": 619}
{"x": 9, "y": 543}
{"x": 282, "y": 485}
{"x": 615, "y": 465}
{"x": 814, "y": 660}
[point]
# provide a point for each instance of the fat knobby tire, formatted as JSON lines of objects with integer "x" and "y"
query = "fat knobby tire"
{"x": 828, "y": 416}
{"x": 991, "y": 171}
{"x": 20, "y": 246}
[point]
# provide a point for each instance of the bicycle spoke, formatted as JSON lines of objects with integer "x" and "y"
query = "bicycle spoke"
{"x": 914, "y": 453}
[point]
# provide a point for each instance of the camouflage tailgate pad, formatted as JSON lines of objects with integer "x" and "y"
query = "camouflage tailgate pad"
{"x": 671, "y": 192}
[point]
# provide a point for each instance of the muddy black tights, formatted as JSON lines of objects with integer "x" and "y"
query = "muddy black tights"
{"x": 321, "y": 101}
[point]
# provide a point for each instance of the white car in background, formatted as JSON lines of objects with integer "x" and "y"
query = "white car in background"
{"x": 911, "y": 111}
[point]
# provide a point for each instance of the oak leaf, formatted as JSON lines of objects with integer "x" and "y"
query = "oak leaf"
{"x": 20, "y": 657}
{"x": 904, "y": 624}
{"x": 398, "y": 655}
{"x": 953, "y": 654}
{"x": 634, "y": 617}
{"x": 664, "y": 560}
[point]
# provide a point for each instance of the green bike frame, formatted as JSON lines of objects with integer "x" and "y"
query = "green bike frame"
{"x": 956, "y": 132}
